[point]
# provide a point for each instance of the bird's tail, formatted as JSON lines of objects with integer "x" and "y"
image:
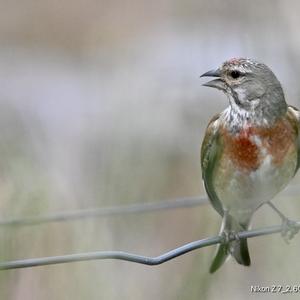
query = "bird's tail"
{"x": 237, "y": 248}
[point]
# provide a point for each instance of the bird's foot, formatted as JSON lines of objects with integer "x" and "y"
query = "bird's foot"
{"x": 228, "y": 238}
{"x": 289, "y": 229}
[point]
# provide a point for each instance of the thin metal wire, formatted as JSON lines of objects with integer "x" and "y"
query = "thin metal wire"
{"x": 184, "y": 202}
{"x": 120, "y": 255}
{"x": 106, "y": 211}
{"x": 145, "y": 260}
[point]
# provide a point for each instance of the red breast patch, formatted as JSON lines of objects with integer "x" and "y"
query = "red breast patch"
{"x": 246, "y": 153}
{"x": 243, "y": 152}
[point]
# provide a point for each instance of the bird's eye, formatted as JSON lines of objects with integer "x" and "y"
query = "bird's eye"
{"x": 235, "y": 74}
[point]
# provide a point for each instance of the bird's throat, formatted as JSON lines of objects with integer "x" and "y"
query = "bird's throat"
{"x": 237, "y": 118}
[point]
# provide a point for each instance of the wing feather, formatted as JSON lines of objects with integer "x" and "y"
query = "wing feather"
{"x": 294, "y": 116}
{"x": 210, "y": 153}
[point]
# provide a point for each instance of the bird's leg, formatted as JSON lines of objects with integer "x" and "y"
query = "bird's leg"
{"x": 289, "y": 228}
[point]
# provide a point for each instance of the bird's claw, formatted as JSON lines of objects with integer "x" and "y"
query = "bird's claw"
{"x": 289, "y": 229}
{"x": 228, "y": 237}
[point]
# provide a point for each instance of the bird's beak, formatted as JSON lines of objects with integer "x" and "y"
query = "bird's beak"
{"x": 212, "y": 73}
{"x": 215, "y": 83}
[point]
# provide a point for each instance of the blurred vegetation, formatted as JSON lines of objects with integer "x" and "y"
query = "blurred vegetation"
{"x": 101, "y": 104}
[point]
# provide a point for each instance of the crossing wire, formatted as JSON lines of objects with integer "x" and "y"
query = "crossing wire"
{"x": 184, "y": 202}
{"x": 111, "y": 211}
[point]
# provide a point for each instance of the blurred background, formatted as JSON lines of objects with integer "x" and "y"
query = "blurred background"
{"x": 101, "y": 104}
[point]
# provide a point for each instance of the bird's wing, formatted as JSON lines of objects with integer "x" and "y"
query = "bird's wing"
{"x": 210, "y": 152}
{"x": 294, "y": 116}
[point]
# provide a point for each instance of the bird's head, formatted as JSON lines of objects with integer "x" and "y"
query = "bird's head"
{"x": 250, "y": 85}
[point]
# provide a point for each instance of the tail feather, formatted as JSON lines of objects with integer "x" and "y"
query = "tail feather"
{"x": 238, "y": 248}
{"x": 220, "y": 258}
{"x": 241, "y": 253}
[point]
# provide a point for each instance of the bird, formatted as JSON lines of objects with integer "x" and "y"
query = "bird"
{"x": 250, "y": 151}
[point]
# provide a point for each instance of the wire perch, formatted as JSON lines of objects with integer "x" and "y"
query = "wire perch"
{"x": 120, "y": 255}
{"x": 145, "y": 260}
